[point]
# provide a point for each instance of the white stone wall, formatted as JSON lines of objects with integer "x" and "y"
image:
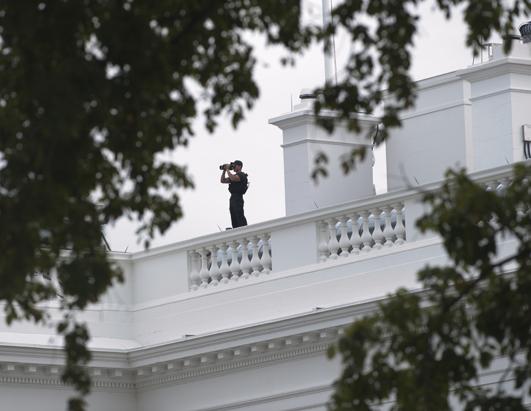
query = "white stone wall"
{"x": 470, "y": 118}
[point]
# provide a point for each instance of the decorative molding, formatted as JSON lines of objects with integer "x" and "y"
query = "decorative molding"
{"x": 431, "y": 82}
{"x": 195, "y": 367}
{"x": 443, "y": 107}
{"x": 177, "y": 369}
{"x": 495, "y": 68}
{"x": 500, "y": 92}
{"x": 37, "y": 374}
{"x": 307, "y": 116}
{"x": 438, "y": 80}
{"x": 227, "y": 360}
{"x": 323, "y": 389}
{"x": 325, "y": 141}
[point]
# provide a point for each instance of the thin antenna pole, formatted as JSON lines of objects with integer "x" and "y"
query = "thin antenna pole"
{"x": 328, "y": 53}
{"x": 334, "y": 50}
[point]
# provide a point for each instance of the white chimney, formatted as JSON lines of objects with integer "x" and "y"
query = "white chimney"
{"x": 303, "y": 139}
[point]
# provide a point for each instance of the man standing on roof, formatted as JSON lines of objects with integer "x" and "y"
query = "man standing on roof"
{"x": 237, "y": 182}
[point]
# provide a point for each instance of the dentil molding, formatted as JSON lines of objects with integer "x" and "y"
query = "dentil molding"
{"x": 179, "y": 370}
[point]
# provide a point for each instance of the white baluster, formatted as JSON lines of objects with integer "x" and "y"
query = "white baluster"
{"x": 333, "y": 244}
{"x": 195, "y": 280}
{"x": 203, "y": 274}
{"x": 266, "y": 256}
{"x": 377, "y": 234}
{"x": 400, "y": 230}
{"x": 255, "y": 260}
{"x": 214, "y": 272}
{"x": 224, "y": 267}
{"x": 388, "y": 230}
{"x": 234, "y": 264}
{"x": 245, "y": 264}
{"x": 323, "y": 241}
{"x": 355, "y": 239}
{"x": 366, "y": 237}
{"x": 344, "y": 242}
{"x": 504, "y": 184}
{"x": 491, "y": 185}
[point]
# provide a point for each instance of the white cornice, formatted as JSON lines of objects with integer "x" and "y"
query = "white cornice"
{"x": 325, "y": 141}
{"x": 258, "y": 345}
{"x": 448, "y": 106}
{"x": 496, "y": 68}
{"x": 437, "y": 81}
{"x": 310, "y": 321}
{"x": 500, "y": 92}
{"x": 301, "y": 336}
{"x": 477, "y": 72}
{"x": 430, "y": 82}
{"x": 307, "y": 116}
{"x": 322, "y": 389}
{"x": 120, "y": 256}
{"x": 256, "y": 355}
{"x": 37, "y": 374}
{"x": 178, "y": 369}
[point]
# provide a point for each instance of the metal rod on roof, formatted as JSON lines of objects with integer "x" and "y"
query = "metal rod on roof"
{"x": 329, "y": 49}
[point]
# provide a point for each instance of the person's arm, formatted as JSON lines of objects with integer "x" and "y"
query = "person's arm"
{"x": 223, "y": 179}
{"x": 233, "y": 177}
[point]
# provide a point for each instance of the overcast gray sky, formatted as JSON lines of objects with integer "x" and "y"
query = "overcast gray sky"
{"x": 439, "y": 48}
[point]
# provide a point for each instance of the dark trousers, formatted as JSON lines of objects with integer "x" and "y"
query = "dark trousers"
{"x": 236, "y": 211}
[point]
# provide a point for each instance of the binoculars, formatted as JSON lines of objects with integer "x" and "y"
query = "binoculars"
{"x": 231, "y": 166}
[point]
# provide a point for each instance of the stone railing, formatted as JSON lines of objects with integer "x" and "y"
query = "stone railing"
{"x": 284, "y": 246}
{"x": 361, "y": 231}
{"x": 230, "y": 261}
{"x": 498, "y": 184}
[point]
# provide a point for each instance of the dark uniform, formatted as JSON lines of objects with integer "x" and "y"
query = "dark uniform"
{"x": 237, "y": 189}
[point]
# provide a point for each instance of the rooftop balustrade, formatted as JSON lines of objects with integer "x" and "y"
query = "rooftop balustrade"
{"x": 344, "y": 233}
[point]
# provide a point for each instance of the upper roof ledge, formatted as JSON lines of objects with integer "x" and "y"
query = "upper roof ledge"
{"x": 303, "y": 112}
{"x": 495, "y": 64}
{"x": 505, "y": 65}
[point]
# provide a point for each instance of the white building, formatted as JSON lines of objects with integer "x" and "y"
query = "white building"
{"x": 250, "y": 333}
